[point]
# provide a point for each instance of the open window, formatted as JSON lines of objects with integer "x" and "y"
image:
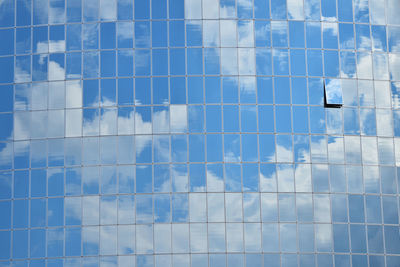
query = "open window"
{"x": 333, "y": 95}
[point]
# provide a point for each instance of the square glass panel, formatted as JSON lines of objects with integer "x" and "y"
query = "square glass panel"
{"x": 333, "y": 93}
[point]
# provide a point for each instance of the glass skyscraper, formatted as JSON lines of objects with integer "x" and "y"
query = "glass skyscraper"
{"x": 199, "y": 133}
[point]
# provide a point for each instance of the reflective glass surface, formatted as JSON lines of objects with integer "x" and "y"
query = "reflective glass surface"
{"x": 201, "y": 133}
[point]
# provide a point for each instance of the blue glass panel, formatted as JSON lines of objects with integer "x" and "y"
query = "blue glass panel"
{"x": 195, "y": 90}
{"x": 74, "y": 37}
{"x": 142, "y": 34}
{"x": 143, "y": 179}
{"x": 38, "y": 183}
{"x": 263, "y": 61}
{"x": 194, "y": 61}
{"x": 297, "y": 62}
{"x": 177, "y": 61}
{"x": 73, "y": 242}
{"x": 7, "y": 65}
{"x": 312, "y": 9}
{"x": 124, "y": 10}
{"x": 261, "y": 9}
{"x": 177, "y": 33}
{"x": 196, "y": 148}
{"x": 197, "y": 174}
{"x": 341, "y": 238}
{"x": 37, "y": 243}
{"x": 176, "y": 9}
{"x": 390, "y": 210}
{"x": 348, "y": 64}
{"x": 301, "y": 149}
{"x": 211, "y": 60}
{"x": 142, "y": 9}
{"x": 5, "y": 237}
{"x": 107, "y": 34}
{"x": 361, "y": 11}
{"x": 331, "y": 63}
{"x": 55, "y": 210}
{"x": 142, "y": 62}
{"x": 356, "y": 208}
{"x": 328, "y": 10}
{"x": 392, "y": 261}
{"x": 378, "y": 261}
{"x": 230, "y": 90}
{"x": 282, "y": 90}
{"x": 317, "y": 120}
{"x": 283, "y": 119}
{"x": 180, "y": 205}
{"x": 345, "y": 9}
{"x": 245, "y": 9}
{"x": 193, "y": 33}
{"x": 7, "y": 47}
{"x": 262, "y": 33}
{"x": 20, "y": 244}
{"x": 363, "y": 39}
{"x": 162, "y": 208}
{"x": 278, "y": 9}
{"x": 279, "y": 34}
{"x": 314, "y": 63}
{"x": 304, "y": 214}
{"x": 249, "y": 148}
{"x": 330, "y": 33}
{"x": 21, "y": 184}
{"x": 248, "y": 115}
{"x": 265, "y": 119}
{"x": 358, "y": 240}
{"x": 24, "y": 9}
{"x": 38, "y": 213}
{"x": 392, "y": 239}
{"x": 300, "y": 119}
{"x": 346, "y": 36}
{"x": 125, "y": 35}
{"x": 213, "y": 118}
{"x": 144, "y": 210}
{"x": 267, "y": 148}
{"x": 213, "y": 89}
{"x": 281, "y": 61}
{"x": 231, "y": 118}
{"x": 91, "y": 65}
{"x": 6, "y": 98}
{"x": 142, "y": 91}
{"x": 313, "y": 34}
{"x": 74, "y": 11}
{"x": 375, "y": 239}
{"x": 299, "y": 91}
{"x": 55, "y": 180}
{"x": 159, "y": 34}
{"x": 178, "y": 90}
{"x": 125, "y": 63}
{"x": 5, "y": 221}
{"x": 296, "y": 30}
{"x": 90, "y": 36}
{"x": 158, "y": 9}
{"x": 379, "y": 37}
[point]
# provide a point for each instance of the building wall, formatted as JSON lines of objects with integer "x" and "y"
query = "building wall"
{"x": 194, "y": 133}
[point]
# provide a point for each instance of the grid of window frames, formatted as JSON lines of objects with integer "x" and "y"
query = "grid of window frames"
{"x": 177, "y": 133}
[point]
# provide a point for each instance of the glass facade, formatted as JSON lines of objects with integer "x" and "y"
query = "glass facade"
{"x": 202, "y": 133}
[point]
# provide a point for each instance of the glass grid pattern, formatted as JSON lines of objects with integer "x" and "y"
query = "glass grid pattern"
{"x": 194, "y": 133}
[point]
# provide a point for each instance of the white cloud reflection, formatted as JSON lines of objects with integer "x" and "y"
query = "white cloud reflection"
{"x": 108, "y": 9}
{"x": 193, "y": 9}
{"x": 56, "y": 46}
{"x": 295, "y": 9}
{"x": 333, "y": 91}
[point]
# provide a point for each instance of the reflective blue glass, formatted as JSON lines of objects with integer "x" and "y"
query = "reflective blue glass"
{"x": 199, "y": 133}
